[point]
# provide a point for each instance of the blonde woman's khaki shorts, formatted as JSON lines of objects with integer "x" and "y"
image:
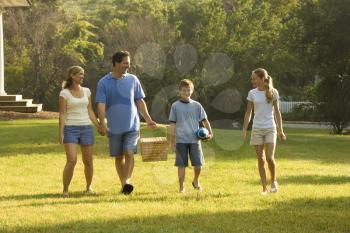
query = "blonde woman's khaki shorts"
{"x": 263, "y": 136}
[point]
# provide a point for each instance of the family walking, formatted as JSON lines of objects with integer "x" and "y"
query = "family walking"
{"x": 120, "y": 100}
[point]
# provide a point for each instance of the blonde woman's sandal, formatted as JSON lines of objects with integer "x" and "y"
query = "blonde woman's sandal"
{"x": 274, "y": 187}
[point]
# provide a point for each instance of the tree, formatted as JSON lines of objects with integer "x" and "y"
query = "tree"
{"x": 42, "y": 49}
{"x": 326, "y": 41}
{"x": 334, "y": 102}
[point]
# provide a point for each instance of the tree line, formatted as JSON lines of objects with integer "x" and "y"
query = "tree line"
{"x": 215, "y": 43}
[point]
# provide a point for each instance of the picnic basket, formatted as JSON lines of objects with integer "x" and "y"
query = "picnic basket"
{"x": 154, "y": 148}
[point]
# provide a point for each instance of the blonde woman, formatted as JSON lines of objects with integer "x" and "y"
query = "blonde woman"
{"x": 263, "y": 99}
{"x": 75, "y": 127}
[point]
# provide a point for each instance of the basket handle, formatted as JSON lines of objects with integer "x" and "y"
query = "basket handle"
{"x": 159, "y": 126}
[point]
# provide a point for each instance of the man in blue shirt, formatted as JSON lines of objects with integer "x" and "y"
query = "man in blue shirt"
{"x": 119, "y": 97}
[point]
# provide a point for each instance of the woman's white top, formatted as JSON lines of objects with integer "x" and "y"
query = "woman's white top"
{"x": 263, "y": 111}
{"x": 77, "y": 111}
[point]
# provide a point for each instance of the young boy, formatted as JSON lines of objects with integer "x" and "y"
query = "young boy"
{"x": 185, "y": 117}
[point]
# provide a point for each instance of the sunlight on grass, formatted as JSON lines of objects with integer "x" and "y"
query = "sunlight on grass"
{"x": 313, "y": 169}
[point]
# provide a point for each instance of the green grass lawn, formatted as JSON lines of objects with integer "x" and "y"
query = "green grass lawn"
{"x": 313, "y": 171}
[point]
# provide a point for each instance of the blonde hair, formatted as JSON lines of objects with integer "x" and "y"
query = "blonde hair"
{"x": 73, "y": 70}
{"x": 186, "y": 83}
{"x": 268, "y": 84}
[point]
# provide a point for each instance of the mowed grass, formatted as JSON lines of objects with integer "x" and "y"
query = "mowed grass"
{"x": 313, "y": 173}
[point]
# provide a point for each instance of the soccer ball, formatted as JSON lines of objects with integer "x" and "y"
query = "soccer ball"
{"x": 202, "y": 133}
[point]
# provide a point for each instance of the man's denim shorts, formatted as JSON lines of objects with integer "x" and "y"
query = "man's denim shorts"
{"x": 79, "y": 134}
{"x": 122, "y": 143}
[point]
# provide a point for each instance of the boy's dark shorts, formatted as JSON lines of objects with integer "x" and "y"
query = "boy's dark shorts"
{"x": 193, "y": 150}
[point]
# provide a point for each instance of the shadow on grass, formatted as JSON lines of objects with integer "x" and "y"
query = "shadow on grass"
{"x": 38, "y": 139}
{"x": 38, "y": 148}
{"x": 311, "y": 180}
{"x": 28, "y": 139}
{"x": 317, "y": 180}
{"x": 41, "y": 196}
{"x": 298, "y": 215}
{"x": 301, "y": 144}
{"x": 83, "y": 198}
{"x": 227, "y": 145}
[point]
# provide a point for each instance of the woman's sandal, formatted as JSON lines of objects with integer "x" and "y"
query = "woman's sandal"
{"x": 263, "y": 193}
{"x": 90, "y": 192}
{"x": 274, "y": 187}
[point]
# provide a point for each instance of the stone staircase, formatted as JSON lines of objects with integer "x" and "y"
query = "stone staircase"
{"x": 15, "y": 103}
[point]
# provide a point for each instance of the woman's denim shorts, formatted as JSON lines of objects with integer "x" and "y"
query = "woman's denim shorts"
{"x": 79, "y": 134}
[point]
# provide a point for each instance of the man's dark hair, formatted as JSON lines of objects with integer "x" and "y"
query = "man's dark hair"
{"x": 118, "y": 56}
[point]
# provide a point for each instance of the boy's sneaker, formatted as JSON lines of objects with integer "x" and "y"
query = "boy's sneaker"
{"x": 274, "y": 187}
{"x": 199, "y": 187}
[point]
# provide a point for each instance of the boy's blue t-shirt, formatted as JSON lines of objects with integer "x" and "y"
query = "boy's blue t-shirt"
{"x": 119, "y": 96}
{"x": 186, "y": 116}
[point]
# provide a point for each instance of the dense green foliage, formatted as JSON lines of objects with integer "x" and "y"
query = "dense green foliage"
{"x": 214, "y": 43}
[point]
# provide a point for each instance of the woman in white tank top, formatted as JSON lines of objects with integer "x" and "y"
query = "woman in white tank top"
{"x": 75, "y": 127}
{"x": 264, "y": 100}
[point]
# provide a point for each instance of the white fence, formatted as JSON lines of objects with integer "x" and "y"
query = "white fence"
{"x": 288, "y": 106}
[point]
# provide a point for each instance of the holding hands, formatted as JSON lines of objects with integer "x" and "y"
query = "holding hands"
{"x": 102, "y": 129}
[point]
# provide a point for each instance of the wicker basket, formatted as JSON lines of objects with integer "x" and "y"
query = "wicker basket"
{"x": 154, "y": 149}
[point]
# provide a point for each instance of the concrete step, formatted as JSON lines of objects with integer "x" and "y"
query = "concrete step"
{"x": 33, "y": 108}
{"x": 10, "y": 97}
{"x": 23, "y": 102}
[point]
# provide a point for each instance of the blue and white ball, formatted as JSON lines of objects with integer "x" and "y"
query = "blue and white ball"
{"x": 202, "y": 133}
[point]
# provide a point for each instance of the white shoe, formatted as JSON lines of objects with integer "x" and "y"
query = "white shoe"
{"x": 274, "y": 187}
{"x": 263, "y": 193}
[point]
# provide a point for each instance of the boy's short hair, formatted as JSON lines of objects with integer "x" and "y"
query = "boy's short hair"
{"x": 186, "y": 83}
{"x": 118, "y": 56}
